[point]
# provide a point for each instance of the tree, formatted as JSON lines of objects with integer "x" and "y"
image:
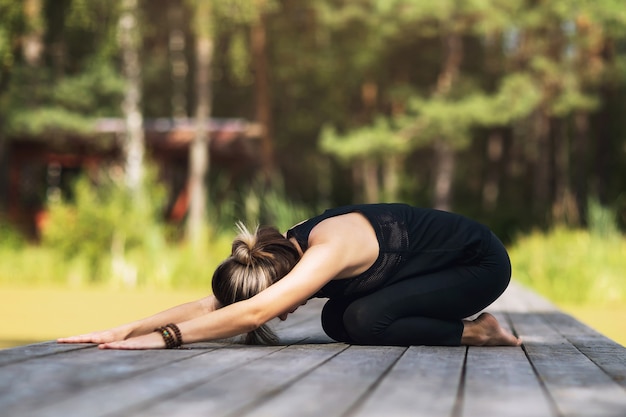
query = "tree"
{"x": 130, "y": 39}
{"x": 199, "y": 150}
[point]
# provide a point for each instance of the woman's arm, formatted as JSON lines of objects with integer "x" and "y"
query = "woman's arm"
{"x": 176, "y": 314}
{"x": 320, "y": 264}
{"x": 332, "y": 253}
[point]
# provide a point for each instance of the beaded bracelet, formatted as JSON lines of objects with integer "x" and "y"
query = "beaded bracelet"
{"x": 171, "y": 335}
{"x": 177, "y": 333}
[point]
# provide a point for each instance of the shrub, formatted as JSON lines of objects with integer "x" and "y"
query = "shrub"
{"x": 10, "y": 239}
{"x": 572, "y": 266}
{"x": 104, "y": 223}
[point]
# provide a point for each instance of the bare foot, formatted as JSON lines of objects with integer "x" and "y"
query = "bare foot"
{"x": 486, "y": 331}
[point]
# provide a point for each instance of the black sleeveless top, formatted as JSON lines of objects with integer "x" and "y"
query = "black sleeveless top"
{"x": 412, "y": 241}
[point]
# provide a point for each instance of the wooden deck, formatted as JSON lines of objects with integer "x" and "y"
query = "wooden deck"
{"x": 563, "y": 369}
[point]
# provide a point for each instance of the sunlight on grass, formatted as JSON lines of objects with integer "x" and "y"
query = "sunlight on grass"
{"x": 610, "y": 321}
{"x": 572, "y": 266}
{"x": 46, "y": 313}
{"x": 40, "y": 314}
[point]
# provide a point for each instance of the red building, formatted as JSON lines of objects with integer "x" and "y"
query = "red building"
{"x": 38, "y": 166}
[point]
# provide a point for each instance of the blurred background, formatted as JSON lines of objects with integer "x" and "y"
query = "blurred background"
{"x": 134, "y": 133}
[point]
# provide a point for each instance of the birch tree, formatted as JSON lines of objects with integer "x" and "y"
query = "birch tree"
{"x": 133, "y": 144}
{"x": 203, "y": 28}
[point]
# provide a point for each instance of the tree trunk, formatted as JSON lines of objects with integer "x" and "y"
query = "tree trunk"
{"x": 445, "y": 155}
{"x": 371, "y": 185}
{"x": 32, "y": 45}
{"x": 129, "y": 39}
{"x": 581, "y": 167}
{"x": 199, "y": 149}
{"x": 392, "y": 166}
{"x": 263, "y": 101}
{"x": 602, "y": 161}
{"x": 541, "y": 161}
{"x": 4, "y": 173}
{"x": 446, "y": 160}
{"x": 178, "y": 61}
{"x": 491, "y": 186}
{"x": 563, "y": 205}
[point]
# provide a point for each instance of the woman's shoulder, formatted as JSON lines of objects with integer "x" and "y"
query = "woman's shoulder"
{"x": 345, "y": 228}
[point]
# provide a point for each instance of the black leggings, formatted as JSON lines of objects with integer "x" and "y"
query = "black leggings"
{"x": 423, "y": 310}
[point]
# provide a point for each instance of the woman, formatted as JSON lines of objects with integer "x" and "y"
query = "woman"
{"x": 394, "y": 275}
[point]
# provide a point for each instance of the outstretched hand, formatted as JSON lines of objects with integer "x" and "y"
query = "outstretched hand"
{"x": 147, "y": 341}
{"x": 116, "y": 339}
{"x": 104, "y": 336}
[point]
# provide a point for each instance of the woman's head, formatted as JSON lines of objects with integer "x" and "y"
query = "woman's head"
{"x": 257, "y": 261}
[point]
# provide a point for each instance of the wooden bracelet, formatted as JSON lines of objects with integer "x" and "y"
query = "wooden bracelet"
{"x": 177, "y": 333}
{"x": 168, "y": 337}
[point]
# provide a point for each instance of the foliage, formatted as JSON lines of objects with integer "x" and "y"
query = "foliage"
{"x": 378, "y": 139}
{"x": 175, "y": 266}
{"x": 106, "y": 236}
{"x": 572, "y": 266}
{"x": 369, "y": 83}
{"x": 105, "y": 223}
{"x": 259, "y": 205}
{"x": 10, "y": 239}
{"x": 69, "y": 106}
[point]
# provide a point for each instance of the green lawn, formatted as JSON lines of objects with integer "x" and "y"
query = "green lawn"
{"x": 610, "y": 321}
{"x": 39, "y": 314}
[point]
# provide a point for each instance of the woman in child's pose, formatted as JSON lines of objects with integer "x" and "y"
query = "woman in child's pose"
{"x": 393, "y": 274}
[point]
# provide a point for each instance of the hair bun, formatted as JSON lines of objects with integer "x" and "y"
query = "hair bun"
{"x": 243, "y": 252}
{"x": 244, "y": 248}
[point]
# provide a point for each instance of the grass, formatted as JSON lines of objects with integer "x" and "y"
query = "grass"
{"x": 581, "y": 271}
{"x": 46, "y": 296}
{"x": 46, "y": 313}
{"x": 172, "y": 266}
{"x": 573, "y": 267}
{"x": 610, "y": 321}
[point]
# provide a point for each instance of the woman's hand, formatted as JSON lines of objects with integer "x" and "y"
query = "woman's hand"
{"x": 147, "y": 341}
{"x": 104, "y": 336}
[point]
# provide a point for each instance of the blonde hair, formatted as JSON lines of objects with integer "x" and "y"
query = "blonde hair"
{"x": 257, "y": 261}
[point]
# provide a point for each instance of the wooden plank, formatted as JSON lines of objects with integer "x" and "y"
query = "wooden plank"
{"x": 304, "y": 326}
{"x": 169, "y": 379}
{"x": 239, "y": 390}
{"x": 564, "y": 369}
{"x": 424, "y": 382}
{"x": 153, "y": 365}
{"x": 334, "y": 387}
{"x": 577, "y": 386}
{"x": 499, "y": 381}
{"x": 609, "y": 355}
{"x": 518, "y": 298}
{"x": 34, "y": 383}
{"x": 28, "y": 352}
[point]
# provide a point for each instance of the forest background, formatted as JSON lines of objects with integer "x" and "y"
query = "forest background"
{"x": 508, "y": 111}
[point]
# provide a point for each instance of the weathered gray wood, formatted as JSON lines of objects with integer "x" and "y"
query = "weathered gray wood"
{"x": 28, "y": 352}
{"x": 31, "y": 384}
{"x": 424, "y": 382}
{"x": 499, "y": 381}
{"x": 334, "y": 387}
{"x": 564, "y": 369}
{"x": 577, "y": 385}
{"x": 604, "y": 352}
{"x": 241, "y": 389}
{"x": 169, "y": 379}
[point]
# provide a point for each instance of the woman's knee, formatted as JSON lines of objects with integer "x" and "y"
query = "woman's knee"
{"x": 363, "y": 323}
{"x": 332, "y": 321}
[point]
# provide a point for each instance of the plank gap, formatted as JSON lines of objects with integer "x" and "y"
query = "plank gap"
{"x": 551, "y": 401}
{"x": 275, "y": 392}
{"x": 458, "y": 401}
{"x": 360, "y": 400}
